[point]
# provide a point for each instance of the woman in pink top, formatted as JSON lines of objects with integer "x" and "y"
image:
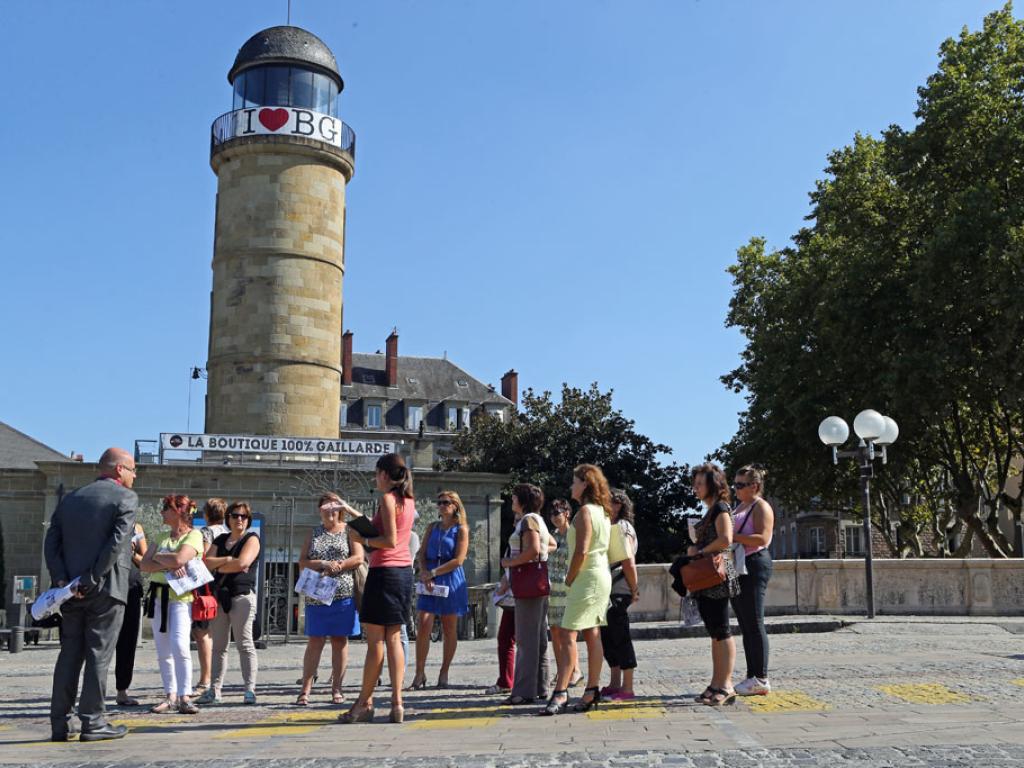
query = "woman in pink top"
{"x": 388, "y": 591}
{"x": 753, "y": 520}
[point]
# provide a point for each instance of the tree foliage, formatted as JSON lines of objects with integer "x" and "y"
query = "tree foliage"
{"x": 902, "y": 293}
{"x": 546, "y": 440}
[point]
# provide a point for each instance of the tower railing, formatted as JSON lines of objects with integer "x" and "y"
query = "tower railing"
{"x": 220, "y": 132}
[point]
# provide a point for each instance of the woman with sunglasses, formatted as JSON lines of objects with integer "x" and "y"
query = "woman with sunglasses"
{"x": 558, "y": 566}
{"x": 231, "y": 559}
{"x": 754, "y": 521}
{"x": 441, "y": 555}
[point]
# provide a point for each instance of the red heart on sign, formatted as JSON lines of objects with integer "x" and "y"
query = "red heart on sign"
{"x": 272, "y": 119}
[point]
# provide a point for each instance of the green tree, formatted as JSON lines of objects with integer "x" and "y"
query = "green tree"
{"x": 546, "y": 440}
{"x": 902, "y": 293}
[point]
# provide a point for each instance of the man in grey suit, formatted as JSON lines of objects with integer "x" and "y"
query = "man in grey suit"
{"x": 89, "y": 537}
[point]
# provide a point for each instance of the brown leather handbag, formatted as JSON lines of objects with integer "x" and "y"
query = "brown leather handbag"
{"x": 704, "y": 572}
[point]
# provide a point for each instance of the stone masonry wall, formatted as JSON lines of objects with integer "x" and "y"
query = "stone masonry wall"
{"x": 276, "y": 311}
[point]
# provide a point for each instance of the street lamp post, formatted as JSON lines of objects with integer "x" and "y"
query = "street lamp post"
{"x": 873, "y": 429}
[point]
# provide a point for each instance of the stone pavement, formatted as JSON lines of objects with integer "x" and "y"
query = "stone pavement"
{"x": 875, "y": 693}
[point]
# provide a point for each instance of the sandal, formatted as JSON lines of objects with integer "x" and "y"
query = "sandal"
{"x": 199, "y": 689}
{"x": 187, "y": 708}
{"x": 365, "y": 715}
{"x": 496, "y": 689}
{"x": 337, "y": 697}
{"x": 705, "y": 697}
{"x": 721, "y": 698}
{"x": 164, "y": 707}
{"x": 577, "y": 680}
{"x": 554, "y": 707}
{"x": 127, "y": 701}
{"x": 585, "y": 706}
{"x": 418, "y": 682}
{"x": 302, "y": 700}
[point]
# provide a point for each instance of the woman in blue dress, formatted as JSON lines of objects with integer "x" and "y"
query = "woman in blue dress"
{"x": 441, "y": 556}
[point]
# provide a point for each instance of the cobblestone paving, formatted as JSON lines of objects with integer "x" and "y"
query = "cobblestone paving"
{"x": 886, "y": 693}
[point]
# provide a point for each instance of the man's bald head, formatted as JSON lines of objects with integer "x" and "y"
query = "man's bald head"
{"x": 118, "y": 464}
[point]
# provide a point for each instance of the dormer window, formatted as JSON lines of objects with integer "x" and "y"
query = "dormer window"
{"x": 414, "y": 417}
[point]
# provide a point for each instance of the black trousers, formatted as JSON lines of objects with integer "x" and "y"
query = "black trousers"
{"x": 615, "y": 639}
{"x": 748, "y": 606}
{"x": 128, "y": 639}
{"x": 89, "y": 629}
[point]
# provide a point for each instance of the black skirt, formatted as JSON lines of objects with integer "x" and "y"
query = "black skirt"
{"x": 387, "y": 596}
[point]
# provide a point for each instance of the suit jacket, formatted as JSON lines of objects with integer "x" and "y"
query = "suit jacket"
{"x": 90, "y": 537}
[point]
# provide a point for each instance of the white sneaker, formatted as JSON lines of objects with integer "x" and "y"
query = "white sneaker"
{"x": 754, "y": 686}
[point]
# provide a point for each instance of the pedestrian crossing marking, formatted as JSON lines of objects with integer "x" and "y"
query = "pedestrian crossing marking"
{"x": 784, "y": 701}
{"x": 925, "y": 693}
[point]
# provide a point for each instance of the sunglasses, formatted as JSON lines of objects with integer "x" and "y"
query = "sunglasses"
{"x": 239, "y": 516}
{"x": 739, "y": 486}
{"x": 445, "y": 503}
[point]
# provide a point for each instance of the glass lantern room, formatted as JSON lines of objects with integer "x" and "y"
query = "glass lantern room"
{"x": 279, "y": 86}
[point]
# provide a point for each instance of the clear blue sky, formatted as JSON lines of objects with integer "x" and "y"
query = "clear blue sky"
{"x": 558, "y": 187}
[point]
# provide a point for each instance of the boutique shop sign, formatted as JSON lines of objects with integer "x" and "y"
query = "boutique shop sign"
{"x": 308, "y": 446}
{"x": 278, "y": 121}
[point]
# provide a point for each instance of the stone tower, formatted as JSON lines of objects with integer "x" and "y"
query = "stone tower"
{"x": 282, "y": 158}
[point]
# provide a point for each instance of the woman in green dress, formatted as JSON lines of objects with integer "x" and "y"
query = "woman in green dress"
{"x": 590, "y": 583}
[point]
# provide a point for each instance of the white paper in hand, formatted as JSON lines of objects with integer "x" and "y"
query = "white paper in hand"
{"x": 438, "y": 590}
{"x": 319, "y": 586}
{"x": 196, "y": 574}
{"x": 51, "y": 600}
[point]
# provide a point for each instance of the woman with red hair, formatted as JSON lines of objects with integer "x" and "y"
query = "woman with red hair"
{"x": 172, "y": 613}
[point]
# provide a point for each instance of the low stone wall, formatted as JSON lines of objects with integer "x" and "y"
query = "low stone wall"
{"x": 940, "y": 587}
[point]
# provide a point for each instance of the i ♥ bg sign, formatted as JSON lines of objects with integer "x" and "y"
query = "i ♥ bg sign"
{"x": 279, "y": 121}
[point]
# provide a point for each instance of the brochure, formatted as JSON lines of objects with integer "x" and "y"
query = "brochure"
{"x": 196, "y": 574}
{"x": 438, "y": 590}
{"x": 51, "y": 600}
{"x": 319, "y": 586}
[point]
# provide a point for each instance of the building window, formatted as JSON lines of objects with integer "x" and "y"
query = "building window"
{"x": 415, "y": 417}
{"x": 453, "y": 418}
{"x": 373, "y": 413}
{"x": 817, "y": 540}
{"x": 854, "y": 541}
{"x": 343, "y": 419}
{"x": 464, "y": 421}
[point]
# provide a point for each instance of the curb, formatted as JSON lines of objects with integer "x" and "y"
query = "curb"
{"x": 671, "y": 631}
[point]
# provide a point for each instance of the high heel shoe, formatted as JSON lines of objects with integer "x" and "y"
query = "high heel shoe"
{"x": 364, "y": 716}
{"x": 586, "y": 706}
{"x": 555, "y": 707}
{"x": 397, "y": 713}
{"x": 418, "y": 682}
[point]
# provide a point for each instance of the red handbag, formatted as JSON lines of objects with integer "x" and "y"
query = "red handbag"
{"x": 204, "y": 605}
{"x": 530, "y": 580}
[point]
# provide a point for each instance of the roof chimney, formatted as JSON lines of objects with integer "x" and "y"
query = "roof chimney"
{"x": 510, "y": 386}
{"x": 346, "y": 358}
{"x": 391, "y": 359}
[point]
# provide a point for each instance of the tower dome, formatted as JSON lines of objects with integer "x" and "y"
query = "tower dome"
{"x": 287, "y": 46}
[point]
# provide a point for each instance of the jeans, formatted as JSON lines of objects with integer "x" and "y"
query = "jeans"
{"x": 748, "y": 606}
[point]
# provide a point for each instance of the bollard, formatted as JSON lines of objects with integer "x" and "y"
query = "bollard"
{"x": 17, "y": 641}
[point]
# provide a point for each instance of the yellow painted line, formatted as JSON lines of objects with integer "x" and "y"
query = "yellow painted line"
{"x": 925, "y": 693}
{"x": 640, "y": 712}
{"x": 1018, "y": 681}
{"x": 784, "y": 701}
{"x": 282, "y": 724}
{"x": 452, "y": 723}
